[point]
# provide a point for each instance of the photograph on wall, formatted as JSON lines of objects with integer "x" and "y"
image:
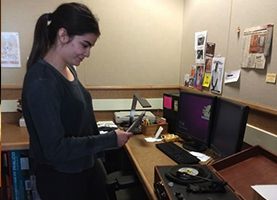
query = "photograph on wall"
{"x": 208, "y": 64}
{"x": 186, "y": 80}
{"x": 256, "y": 46}
{"x": 257, "y": 43}
{"x": 200, "y": 54}
{"x": 192, "y": 71}
{"x": 217, "y": 75}
{"x": 10, "y": 51}
{"x": 210, "y": 49}
{"x": 199, "y": 75}
{"x": 191, "y": 80}
{"x": 200, "y": 46}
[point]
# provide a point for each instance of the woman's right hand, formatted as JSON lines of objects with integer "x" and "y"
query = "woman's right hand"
{"x": 122, "y": 137}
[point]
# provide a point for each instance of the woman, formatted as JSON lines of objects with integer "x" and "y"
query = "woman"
{"x": 64, "y": 139}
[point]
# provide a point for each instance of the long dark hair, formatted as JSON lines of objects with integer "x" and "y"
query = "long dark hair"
{"x": 76, "y": 18}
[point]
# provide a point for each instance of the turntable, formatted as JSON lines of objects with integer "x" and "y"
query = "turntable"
{"x": 252, "y": 166}
{"x": 183, "y": 182}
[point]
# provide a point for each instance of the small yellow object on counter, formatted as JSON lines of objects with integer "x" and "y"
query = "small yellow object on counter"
{"x": 170, "y": 138}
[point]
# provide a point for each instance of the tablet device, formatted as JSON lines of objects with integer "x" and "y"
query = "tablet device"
{"x": 136, "y": 123}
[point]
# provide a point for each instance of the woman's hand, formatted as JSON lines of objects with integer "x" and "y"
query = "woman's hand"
{"x": 122, "y": 137}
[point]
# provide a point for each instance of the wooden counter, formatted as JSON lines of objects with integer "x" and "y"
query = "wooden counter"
{"x": 14, "y": 137}
{"x": 145, "y": 156}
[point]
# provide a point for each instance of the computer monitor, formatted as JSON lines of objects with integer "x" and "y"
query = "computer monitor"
{"x": 228, "y": 127}
{"x": 170, "y": 110}
{"x": 194, "y": 119}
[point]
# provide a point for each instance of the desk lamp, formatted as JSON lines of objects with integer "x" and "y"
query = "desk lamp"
{"x": 143, "y": 102}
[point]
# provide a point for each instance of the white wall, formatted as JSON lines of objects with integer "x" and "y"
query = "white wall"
{"x": 140, "y": 42}
{"x": 221, "y": 19}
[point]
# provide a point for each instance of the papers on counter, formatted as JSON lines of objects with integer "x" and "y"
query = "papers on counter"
{"x": 200, "y": 156}
{"x": 268, "y": 192}
{"x": 157, "y": 135}
{"x": 110, "y": 124}
{"x": 106, "y": 126}
{"x": 151, "y": 139}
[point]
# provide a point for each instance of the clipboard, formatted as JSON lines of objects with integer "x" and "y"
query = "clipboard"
{"x": 136, "y": 123}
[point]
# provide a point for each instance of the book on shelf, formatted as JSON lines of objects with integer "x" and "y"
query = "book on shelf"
{"x": 17, "y": 182}
{"x": 6, "y": 179}
{"x": 21, "y": 187}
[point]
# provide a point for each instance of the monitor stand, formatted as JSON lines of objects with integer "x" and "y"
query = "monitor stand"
{"x": 194, "y": 146}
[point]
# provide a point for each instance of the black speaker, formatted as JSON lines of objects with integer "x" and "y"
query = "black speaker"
{"x": 170, "y": 110}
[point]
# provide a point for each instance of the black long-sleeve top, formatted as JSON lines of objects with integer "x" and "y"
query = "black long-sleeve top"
{"x": 60, "y": 120}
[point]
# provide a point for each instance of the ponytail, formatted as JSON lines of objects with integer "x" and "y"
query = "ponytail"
{"x": 76, "y": 18}
{"x": 41, "y": 41}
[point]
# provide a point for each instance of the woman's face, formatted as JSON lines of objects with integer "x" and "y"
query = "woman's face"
{"x": 79, "y": 48}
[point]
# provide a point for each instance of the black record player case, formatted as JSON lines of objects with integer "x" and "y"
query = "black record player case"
{"x": 167, "y": 187}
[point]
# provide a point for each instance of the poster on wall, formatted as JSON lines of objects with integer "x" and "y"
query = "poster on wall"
{"x": 200, "y": 46}
{"x": 217, "y": 75}
{"x": 10, "y": 51}
{"x": 256, "y": 46}
{"x": 199, "y": 76}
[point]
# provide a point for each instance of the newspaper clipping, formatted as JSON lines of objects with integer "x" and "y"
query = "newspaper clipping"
{"x": 256, "y": 46}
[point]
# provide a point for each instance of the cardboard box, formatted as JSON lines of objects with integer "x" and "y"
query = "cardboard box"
{"x": 151, "y": 130}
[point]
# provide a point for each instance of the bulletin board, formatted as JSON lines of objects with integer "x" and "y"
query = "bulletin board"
{"x": 225, "y": 22}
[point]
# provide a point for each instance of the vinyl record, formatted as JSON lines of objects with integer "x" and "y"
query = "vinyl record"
{"x": 184, "y": 174}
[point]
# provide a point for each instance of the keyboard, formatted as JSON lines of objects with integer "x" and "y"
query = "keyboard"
{"x": 176, "y": 153}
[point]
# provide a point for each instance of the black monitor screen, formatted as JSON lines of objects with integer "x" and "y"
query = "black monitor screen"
{"x": 194, "y": 114}
{"x": 228, "y": 127}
